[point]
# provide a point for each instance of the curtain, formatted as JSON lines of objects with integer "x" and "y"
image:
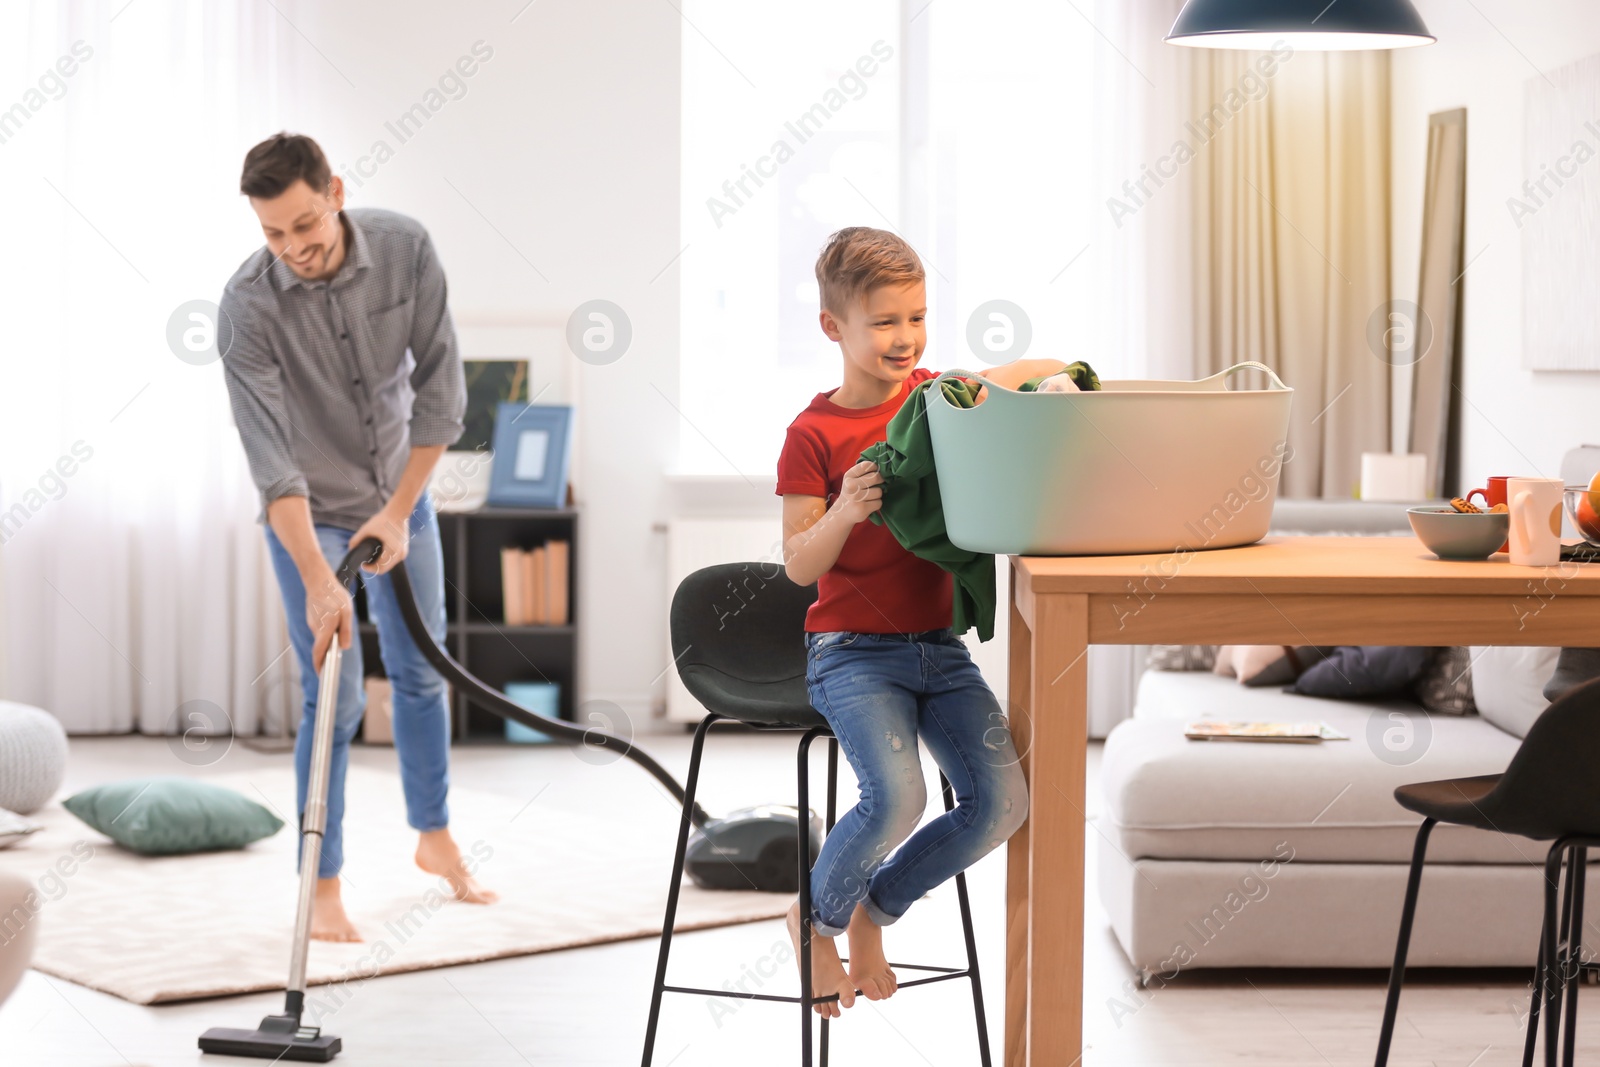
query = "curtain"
{"x": 1142, "y": 277}
{"x": 1291, "y": 243}
{"x": 1138, "y": 266}
{"x": 135, "y": 588}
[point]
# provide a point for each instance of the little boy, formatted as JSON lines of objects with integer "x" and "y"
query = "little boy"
{"x": 883, "y": 665}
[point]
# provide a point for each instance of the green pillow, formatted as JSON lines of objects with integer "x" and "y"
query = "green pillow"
{"x": 170, "y": 815}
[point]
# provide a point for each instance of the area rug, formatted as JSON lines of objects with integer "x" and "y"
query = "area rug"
{"x": 152, "y": 930}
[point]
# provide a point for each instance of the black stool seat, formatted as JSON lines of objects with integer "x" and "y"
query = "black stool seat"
{"x": 1549, "y": 791}
{"x": 737, "y": 641}
{"x": 780, "y": 703}
{"x": 1456, "y": 800}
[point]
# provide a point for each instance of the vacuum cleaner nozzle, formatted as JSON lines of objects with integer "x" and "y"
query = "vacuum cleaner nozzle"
{"x": 279, "y": 1037}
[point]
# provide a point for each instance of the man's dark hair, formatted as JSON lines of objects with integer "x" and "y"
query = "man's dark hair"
{"x": 281, "y": 160}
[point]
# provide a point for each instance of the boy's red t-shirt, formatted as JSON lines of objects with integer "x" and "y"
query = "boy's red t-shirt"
{"x": 876, "y": 586}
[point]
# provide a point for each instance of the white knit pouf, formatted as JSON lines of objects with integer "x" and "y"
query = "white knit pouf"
{"x": 33, "y": 757}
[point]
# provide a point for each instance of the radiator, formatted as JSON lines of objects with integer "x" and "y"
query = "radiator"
{"x": 696, "y": 543}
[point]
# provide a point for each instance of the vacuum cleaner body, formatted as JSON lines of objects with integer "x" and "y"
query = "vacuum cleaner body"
{"x": 752, "y": 848}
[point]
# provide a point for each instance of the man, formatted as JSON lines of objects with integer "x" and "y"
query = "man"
{"x": 341, "y": 433}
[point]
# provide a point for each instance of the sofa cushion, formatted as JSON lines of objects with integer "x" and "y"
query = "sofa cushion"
{"x": 1181, "y": 657}
{"x": 1508, "y": 684}
{"x": 1171, "y": 798}
{"x": 1445, "y": 688}
{"x": 1358, "y": 672}
{"x": 1260, "y": 665}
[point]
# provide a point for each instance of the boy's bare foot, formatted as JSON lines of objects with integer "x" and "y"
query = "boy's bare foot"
{"x": 437, "y": 853}
{"x": 328, "y": 920}
{"x": 869, "y": 968}
{"x": 827, "y": 973}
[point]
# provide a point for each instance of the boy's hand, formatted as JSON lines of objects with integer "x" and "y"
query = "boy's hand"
{"x": 862, "y": 492}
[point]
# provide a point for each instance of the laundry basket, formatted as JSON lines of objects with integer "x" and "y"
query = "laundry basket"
{"x": 1137, "y": 466}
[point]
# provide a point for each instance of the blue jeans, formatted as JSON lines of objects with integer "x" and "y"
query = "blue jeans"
{"x": 880, "y": 693}
{"x": 421, "y": 712}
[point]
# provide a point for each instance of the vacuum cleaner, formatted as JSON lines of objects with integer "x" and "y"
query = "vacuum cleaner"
{"x": 750, "y": 848}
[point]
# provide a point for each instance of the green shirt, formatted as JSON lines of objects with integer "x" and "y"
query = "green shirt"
{"x": 914, "y": 511}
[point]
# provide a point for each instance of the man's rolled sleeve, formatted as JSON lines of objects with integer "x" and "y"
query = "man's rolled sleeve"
{"x": 438, "y": 378}
{"x": 255, "y": 391}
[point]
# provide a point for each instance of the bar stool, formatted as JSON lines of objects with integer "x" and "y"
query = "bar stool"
{"x": 737, "y": 640}
{"x": 1549, "y": 792}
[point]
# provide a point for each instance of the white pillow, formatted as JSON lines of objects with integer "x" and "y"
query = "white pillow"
{"x": 1508, "y": 684}
{"x": 14, "y": 828}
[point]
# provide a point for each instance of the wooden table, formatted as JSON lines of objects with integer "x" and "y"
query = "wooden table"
{"x": 1282, "y": 590}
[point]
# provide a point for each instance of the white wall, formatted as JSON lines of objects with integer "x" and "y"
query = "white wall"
{"x": 566, "y": 141}
{"x": 1515, "y": 421}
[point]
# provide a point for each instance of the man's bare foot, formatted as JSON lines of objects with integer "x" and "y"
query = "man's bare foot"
{"x": 827, "y": 973}
{"x": 328, "y": 920}
{"x": 437, "y": 853}
{"x": 869, "y": 968}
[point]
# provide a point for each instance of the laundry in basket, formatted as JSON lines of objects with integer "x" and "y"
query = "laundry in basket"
{"x": 1136, "y": 466}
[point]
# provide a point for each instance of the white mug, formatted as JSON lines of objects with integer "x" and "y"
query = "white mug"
{"x": 1535, "y": 505}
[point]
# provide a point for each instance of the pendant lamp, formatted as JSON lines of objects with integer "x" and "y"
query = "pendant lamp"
{"x": 1304, "y": 25}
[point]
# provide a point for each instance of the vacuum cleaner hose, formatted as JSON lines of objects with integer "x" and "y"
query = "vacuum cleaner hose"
{"x": 488, "y": 697}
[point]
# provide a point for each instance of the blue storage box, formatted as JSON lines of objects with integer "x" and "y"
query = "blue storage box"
{"x": 541, "y": 698}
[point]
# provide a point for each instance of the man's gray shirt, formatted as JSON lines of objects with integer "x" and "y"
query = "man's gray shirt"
{"x": 327, "y": 404}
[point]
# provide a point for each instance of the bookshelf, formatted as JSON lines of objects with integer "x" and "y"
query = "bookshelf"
{"x": 477, "y": 634}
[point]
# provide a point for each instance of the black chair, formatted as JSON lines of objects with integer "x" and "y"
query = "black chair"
{"x": 1550, "y": 792}
{"x": 737, "y": 640}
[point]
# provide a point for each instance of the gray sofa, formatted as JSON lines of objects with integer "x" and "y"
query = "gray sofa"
{"x": 1235, "y": 855}
{"x": 1281, "y": 855}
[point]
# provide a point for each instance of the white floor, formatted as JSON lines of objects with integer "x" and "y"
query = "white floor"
{"x": 588, "y": 1006}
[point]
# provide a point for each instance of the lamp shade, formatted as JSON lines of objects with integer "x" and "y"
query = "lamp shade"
{"x": 1311, "y": 25}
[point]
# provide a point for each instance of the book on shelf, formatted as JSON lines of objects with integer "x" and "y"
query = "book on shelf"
{"x": 536, "y": 559}
{"x": 534, "y": 584}
{"x": 511, "y": 584}
{"x": 560, "y": 561}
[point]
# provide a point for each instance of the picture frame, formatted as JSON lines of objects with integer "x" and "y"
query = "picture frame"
{"x": 532, "y": 449}
{"x": 490, "y": 382}
{"x": 460, "y": 480}
{"x": 1560, "y": 267}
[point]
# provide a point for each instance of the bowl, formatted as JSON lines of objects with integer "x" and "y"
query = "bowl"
{"x": 1453, "y": 534}
{"x": 1582, "y": 513}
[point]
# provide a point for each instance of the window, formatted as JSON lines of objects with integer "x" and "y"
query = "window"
{"x": 966, "y": 128}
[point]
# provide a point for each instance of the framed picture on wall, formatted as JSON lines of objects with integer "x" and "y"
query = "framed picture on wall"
{"x": 490, "y": 382}
{"x": 532, "y": 443}
{"x": 460, "y": 480}
{"x": 1560, "y": 266}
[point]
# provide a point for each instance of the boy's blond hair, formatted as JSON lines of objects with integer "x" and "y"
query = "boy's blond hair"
{"x": 859, "y": 259}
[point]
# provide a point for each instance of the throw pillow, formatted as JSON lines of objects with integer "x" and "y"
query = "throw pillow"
{"x": 1574, "y": 666}
{"x": 1260, "y": 665}
{"x": 1223, "y": 662}
{"x": 14, "y": 828}
{"x": 1181, "y": 657}
{"x": 170, "y": 815}
{"x": 1355, "y": 672}
{"x": 1445, "y": 688}
{"x": 1508, "y": 684}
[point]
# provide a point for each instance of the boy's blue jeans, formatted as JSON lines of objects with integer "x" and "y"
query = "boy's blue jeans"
{"x": 880, "y": 693}
{"x": 421, "y": 714}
